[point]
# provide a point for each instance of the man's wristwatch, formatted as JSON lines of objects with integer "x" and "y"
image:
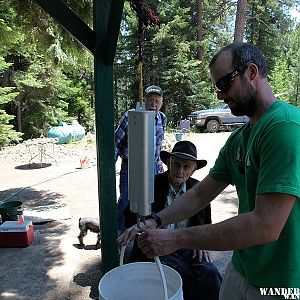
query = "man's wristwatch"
{"x": 155, "y": 217}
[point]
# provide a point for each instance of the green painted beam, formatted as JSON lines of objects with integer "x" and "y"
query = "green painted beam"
{"x": 104, "y": 105}
{"x": 64, "y": 15}
{"x": 113, "y": 29}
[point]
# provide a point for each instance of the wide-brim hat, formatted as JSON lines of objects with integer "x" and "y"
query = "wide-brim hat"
{"x": 183, "y": 150}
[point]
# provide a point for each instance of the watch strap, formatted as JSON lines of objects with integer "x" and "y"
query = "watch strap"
{"x": 156, "y": 219}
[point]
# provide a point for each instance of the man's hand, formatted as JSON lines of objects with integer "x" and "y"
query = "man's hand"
{"x": 130, "y": 233}
{"x": 202, "y": 254}
{"x": 157, "y": 242}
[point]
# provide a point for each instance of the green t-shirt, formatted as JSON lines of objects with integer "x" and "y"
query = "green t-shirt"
{"x": 261, "y": 159}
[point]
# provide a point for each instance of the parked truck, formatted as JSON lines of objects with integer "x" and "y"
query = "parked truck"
{"x": 212, "y": 119}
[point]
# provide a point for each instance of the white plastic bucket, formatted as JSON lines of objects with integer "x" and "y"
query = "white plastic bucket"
{"x": 140, "y": 281}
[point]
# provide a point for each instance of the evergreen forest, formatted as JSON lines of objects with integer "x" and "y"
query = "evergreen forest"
{"x": 46, "y": 76}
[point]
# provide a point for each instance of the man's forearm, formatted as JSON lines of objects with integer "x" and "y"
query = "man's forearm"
{"x": 245, "y": 230}
{"x": 226, "y": 235}
{"x": 241, "y": 231}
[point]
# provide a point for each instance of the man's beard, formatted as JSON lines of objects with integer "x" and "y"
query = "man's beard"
{"x": 245, "y": 108}
{"x": 246, "y": 104}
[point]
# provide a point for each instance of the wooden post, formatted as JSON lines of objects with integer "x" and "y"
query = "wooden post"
{"x": 104, "y": 108}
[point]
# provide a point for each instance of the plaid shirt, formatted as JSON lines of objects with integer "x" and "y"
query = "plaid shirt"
{"x": 121, "y": 138}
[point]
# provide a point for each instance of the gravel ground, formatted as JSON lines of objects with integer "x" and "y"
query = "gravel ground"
{"x": 52, "y": 153}
{"x": 54, "y": 267}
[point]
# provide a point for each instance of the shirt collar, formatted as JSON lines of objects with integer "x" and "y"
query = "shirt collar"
{"x": 181, "y": 190}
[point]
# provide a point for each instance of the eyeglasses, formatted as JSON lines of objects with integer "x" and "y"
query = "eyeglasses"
{"x": 155, "y": 101}
{"x": 225, "y": 82}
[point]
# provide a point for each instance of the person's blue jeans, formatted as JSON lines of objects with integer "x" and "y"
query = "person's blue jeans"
{"x": 201, "y": 280}
{"x": 123, "y": 199}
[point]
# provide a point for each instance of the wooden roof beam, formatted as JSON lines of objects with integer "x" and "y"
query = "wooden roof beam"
{"x": 64, "y": 15}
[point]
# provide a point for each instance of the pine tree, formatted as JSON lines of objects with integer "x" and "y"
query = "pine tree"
{"x": 7, "y": 94}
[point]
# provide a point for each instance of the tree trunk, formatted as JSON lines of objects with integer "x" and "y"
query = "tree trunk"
{"x": 199, "y": 8}
{"x": 240, "y": 20}
{"x": 18, "y": 102}
{"x": 116, "y": 97}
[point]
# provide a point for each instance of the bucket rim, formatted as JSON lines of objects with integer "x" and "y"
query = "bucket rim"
{"x": 139, "y": 263}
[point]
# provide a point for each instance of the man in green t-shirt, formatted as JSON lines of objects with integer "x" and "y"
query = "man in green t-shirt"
{"x": 262, "y": 159}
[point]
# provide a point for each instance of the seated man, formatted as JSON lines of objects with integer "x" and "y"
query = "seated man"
{"x": 201, "y": 279}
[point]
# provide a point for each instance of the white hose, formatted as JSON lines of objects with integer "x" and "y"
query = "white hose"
{"x": 162, "y": 275}
{"x": 122, "y": 255}
{"x": 160, "y": 268}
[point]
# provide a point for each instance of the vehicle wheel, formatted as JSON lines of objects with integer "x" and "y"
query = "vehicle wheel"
{"x": 212, "y": 126}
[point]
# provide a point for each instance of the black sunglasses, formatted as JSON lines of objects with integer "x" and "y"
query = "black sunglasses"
{"x": 225, "y": 82}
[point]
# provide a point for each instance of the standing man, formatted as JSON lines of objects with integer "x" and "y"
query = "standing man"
{"x": 262, "y": 159}
{"x": 154, "y": 102}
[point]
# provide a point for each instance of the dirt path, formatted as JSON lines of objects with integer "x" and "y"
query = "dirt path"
{"x": 54, "y": 267}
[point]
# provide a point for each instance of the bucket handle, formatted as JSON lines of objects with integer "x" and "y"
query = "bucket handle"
{"x": 160, "y": 268}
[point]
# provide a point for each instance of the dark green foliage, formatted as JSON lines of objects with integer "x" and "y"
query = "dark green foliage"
{"x": 47, "y": 76}
{"x": 270, "y": 28}
{"x": 170, "y": 58}
{"x": 7, "y": 94}
{"x": 285, "y": 77}
{"x": 47, "y": 67}
{"x": 267, "y": 22}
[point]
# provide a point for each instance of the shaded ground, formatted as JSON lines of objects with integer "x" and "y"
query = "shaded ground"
{"x": 54, "y": 267}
